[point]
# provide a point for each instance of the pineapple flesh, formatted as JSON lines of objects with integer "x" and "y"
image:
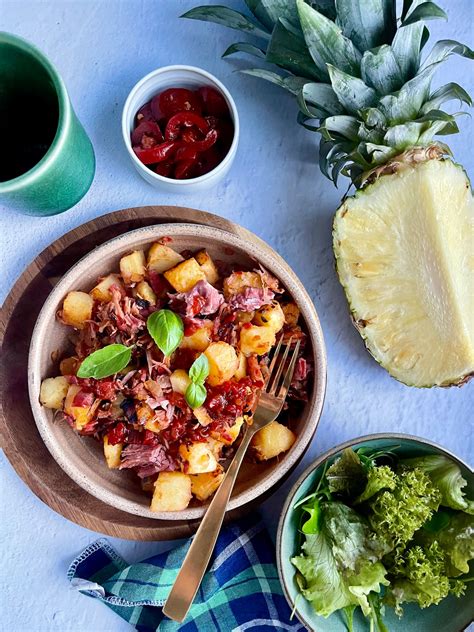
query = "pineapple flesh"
{"x": 404, "y": 252}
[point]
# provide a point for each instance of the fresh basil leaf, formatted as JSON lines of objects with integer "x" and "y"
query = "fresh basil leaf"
{"x": 167, "y": 330}
{"x": 199, "y": 369}
{"x": 106, "y": 361}
{"x": 195, "y": 395}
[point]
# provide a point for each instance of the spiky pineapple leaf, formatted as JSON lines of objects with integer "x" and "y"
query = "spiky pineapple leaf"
{"x": 244, "y": 47}
{"x": 449, "y": 92}
{"x": 407, "y": 102}
{"x": 425, "y": 11}
{"x": 368, "y": 23}
{"x": 326, "y": 7}
{"x": 401, "y": 137}
{"x": 289, "y": 51}
{"x": 226, "y": 17}
{"x": 290, "y": 83}
{"x": 322, "y": 97}
{"x": 406, "y": 47}
{"x": 352, "y": 92}
{"x": 326, "y": 43}
{"x": 268, "y": 12}
{"x": 380, "y": 69}
{"x": 341, "y": 125}
{"x": 444, "y": 48}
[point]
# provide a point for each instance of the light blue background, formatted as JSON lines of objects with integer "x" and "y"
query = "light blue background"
{"x": 101, "y": 49}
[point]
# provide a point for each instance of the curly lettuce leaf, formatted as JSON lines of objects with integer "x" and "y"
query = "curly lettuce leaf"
{"x": 378, "y": 478}
{"x": 456, "y": 539}
{"x": 447, "y": 477}
{"x": 347, "y": 475}
{"x": 338, "y": 567}
{"x": 395, "y": 515}
{"x": 419, "y": 576}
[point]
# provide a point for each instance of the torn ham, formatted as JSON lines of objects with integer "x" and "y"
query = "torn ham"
{"x": 202, "y": 299}
{"x": 147, "y": 459}
{"x": 251, "y": 298}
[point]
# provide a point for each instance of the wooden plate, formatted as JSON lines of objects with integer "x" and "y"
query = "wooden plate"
{"x": 20, "y": 438}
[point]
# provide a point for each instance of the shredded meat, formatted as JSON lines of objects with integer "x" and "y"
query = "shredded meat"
{"x": 251, "y": 298}
{"x": 147, "y": 459}
{"x": 202, "y": 299}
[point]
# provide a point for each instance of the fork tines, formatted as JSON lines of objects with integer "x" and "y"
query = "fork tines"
{"x": 277, "y": 369}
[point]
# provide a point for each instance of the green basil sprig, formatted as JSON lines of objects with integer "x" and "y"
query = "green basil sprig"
{"x": 106, "y": 361}
{"x": 167, "y": 330}
{"x": 196, "y": 392}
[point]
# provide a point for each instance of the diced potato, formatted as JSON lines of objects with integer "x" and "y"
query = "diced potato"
{"x": 161, "y": 258}
{"x": 77, "y": 308}
{"x": 223, "y": 362}
{"x": 242, "y": 368}
{"x": 154, "y": 426}
{"x": 101, "y": 292}
{"x": 230, "y": 434}
{"x": 132, "y": 267}
{"x": 53, "y": 392}
{"x": 199, "y": 340}
{"x": 185, "y": 275}
{"x": 172, "y": 492}
{"x": 292, "y": 313}
{"x": 199, "y": 456}
{"x": 144, "y": 413}
{"x": 207, "y": 266}
{"x": 204, "y": 485}
{"x": 202, "y": 416}
{"x": 215, "y": 447}
{"x": 69, "y": 366}
{"x": 255, "y": 339}
{"x": 272, "y": 440}
{"x": 81, "y": 414}
{"x": 271, "y": 316}
{"x": 244, "y": 317}
{"x": 112, "y": 453}
{"x": 144, "y": 291}
{"x": 180, "y": 381}
{"x": 237, "y": 281}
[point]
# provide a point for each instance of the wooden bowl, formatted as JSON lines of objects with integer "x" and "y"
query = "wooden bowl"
{"x": 82, "y": 459}
{"x": 451, "y": 615}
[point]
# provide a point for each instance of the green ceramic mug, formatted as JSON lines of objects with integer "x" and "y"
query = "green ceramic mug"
{"x": 47, "y": 162}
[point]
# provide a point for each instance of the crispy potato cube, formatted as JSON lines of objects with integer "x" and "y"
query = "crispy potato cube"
{"x": 161, "y": 258}
{"x": 101, "y": 292}
{"x": 69, "y": 366}
{"x": 237, "y": 281}
{"x": 199, "y": 340}
{"x": 77, "y": 308}
{"x": 207, "y": 266}
{"x": 242, "y": 368}
{"x": 112, "y": 453}
{"x": 244, "y": 317}
{"x": 132, "y": 267}
{"x": 204, "y": 485}
{"x": 292, "y": 313}
{"x": 229, "y": 435}
{"x": 172, "y": 492}
{"x": 81, "y": 414}
{"x": 144, "y": 291}
{"x": 199, "y": 456}
{"x": 271, "y": 316}
{"x": 144, "y": 413}
{"x": 180, "y": 381}
{"x": 185, "y": 275}
{"x": 255, "y": 339}
{"x": 202, "y": 416}
{"x": 223, "y": 362}
{"x": 272, "y": 440}
{"x": 53, "y": 392}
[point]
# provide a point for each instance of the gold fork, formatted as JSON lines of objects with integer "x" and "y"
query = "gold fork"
{"x": 269, "y": 406}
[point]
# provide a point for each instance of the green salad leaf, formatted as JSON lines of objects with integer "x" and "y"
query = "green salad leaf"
{"x": 456, "y": 539}
{"x": 447, "y": 477}
{"x": 105, "y": 362}
{"x": 346, "y": 475}
{"x": 378, "y": 478}
{"x": 337, "y": 566}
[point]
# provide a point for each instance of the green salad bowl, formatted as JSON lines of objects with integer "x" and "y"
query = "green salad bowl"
{"x": 451, "y": 615}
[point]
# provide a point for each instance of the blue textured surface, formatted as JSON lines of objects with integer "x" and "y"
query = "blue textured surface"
{"x": 274, "y": 188}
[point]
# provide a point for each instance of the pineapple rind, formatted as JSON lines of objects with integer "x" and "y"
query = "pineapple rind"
{"x": 404, "y": 254}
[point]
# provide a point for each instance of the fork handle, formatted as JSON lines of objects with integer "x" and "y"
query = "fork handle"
{"x": 197, "y": 558}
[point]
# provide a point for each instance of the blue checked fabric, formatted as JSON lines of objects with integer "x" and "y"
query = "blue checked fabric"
{"x": 240, "y": 591}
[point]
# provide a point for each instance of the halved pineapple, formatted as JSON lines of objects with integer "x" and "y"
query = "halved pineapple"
{"x": 404, "y": 252}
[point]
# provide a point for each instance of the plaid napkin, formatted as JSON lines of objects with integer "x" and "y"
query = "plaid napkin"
{"x": 240, "y": 591}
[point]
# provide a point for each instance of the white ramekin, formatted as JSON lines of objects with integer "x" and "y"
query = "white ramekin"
{"x": 176, "y": 77}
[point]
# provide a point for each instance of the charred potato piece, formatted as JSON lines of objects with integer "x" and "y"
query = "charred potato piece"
{"x": 77, "y": 308}
{"x": 101, "y": 292}
{"x": 256, "y": 339}
{"x": 223, "y": 362}
{"x": 161, "y": 258}
{"x": 207, "y": 266}
{"x": 53, "y": 392}
{"x": 204, "y": 485}
{"x": 271, "y": 316}
{"x": 185, "y": 275}
{"x": 172, "y": 492}
{"x": 144, "y": 291}
{"x": 132, "y": 267}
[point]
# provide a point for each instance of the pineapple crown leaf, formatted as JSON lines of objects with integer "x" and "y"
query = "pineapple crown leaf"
{"x": 356, "y": 71}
